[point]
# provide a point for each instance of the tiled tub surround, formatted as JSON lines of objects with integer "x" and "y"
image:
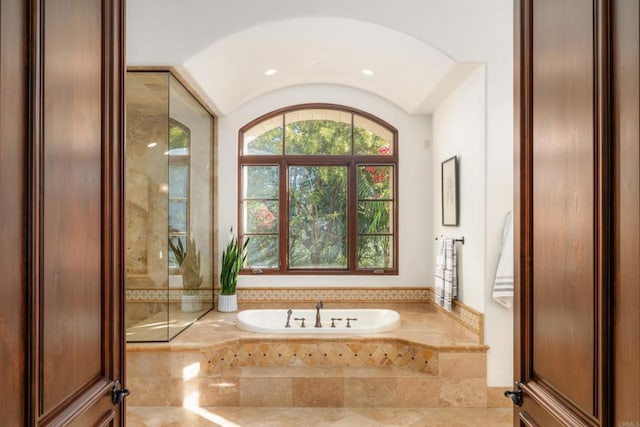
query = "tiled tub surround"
{"x": 429, "y": 361}
{"x": 466, "y": 316}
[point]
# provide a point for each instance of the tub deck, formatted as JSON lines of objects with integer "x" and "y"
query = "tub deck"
{"x": 421, "y": 323}
{"x": 431, "y": 360}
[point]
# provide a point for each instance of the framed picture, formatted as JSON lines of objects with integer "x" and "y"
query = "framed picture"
{"x": 450, "y": 192}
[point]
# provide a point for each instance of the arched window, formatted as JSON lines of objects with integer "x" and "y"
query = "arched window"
{"x": 318, "y": 192}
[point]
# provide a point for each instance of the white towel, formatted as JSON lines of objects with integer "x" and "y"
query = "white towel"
{"x": 503, "y": 284}
{"x": 446, "y": 272}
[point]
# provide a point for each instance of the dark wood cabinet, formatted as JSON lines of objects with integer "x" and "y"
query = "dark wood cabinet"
{"x": 61, "y": 211}
{"x": 578, "y": 217}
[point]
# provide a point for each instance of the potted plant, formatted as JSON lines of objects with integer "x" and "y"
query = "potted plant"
{"x": 189, "y": 261}
{"x": 233, "y": 258}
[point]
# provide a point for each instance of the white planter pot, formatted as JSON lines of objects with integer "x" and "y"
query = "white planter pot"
{"x": 191, "y": 303}
{"x": 227, "y": 303}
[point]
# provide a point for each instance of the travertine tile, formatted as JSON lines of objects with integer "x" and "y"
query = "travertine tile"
{"x": 213, "y": 391}
{"x": 294, "y": 417}
{"x": 396, "y": 416}
{"x": 265, "y": 392}
{"x": 318, "y": 392}
{"x": 185, "y": 363}
{"x": 462, "y": 365}
{"x": 417, "y": 392}
{"x": 369, "y": 392}
{"x": 144, "y": 364}
{"x": 465, "y": 417}
{"x": 259, "y": 370}
{"x": 463, "y": 393}
{"x": 155, "y": 391}
{"x": 497, "y": 399}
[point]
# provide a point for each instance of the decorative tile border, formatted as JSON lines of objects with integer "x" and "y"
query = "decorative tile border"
{"x": 332, "y": 294}
{"x": 335, "y": 353}
{"x": 468, "y": 317}
{"x": 164, "y": 295}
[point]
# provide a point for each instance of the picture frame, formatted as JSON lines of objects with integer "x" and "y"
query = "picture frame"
{"x": 449, "y": 186}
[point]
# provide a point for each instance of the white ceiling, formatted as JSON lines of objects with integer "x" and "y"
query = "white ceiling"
{"x": 229, "y": 70}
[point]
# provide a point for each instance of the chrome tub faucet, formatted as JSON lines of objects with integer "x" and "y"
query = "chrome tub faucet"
{"x": 319, "y": 305}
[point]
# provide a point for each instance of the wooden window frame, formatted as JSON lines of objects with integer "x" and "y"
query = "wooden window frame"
{"x": 352, "y": 161}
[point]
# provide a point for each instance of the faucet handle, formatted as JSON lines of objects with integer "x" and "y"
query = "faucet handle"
{"x": 333, "y": 319}
{"x": 301, "y": 318}
{"x": 350, "y": 319}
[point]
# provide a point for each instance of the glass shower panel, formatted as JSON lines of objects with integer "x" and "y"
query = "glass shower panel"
{"x": 169, "y": 207}
{"x": 190, "y": 206}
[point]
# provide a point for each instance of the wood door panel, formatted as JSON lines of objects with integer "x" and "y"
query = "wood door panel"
{"x": 13, "y": 131}
{"x": 578, "y": 212}
{"x": 563, "y": 199}
{"x": 627, "y": 267}
{"x": 72, "y": 282}
{"x": 536, "y": 415}
{"x": 61, "y": 231}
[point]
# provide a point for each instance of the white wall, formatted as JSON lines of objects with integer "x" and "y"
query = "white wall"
{"x": 459, "y": 129}
{"x": 486, "y": 195}
{"x": 415, "y": 210}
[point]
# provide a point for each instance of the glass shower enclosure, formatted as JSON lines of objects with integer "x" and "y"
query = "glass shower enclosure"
{"x": 169, "y": 231}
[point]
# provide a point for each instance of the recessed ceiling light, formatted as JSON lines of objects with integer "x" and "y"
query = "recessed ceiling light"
{"x": 152, "y": 144}
{"x": 270, "y": 72}
{"x": 367, "y": 72}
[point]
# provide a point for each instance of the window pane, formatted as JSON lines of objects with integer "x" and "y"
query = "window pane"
{"x": 375, "y": 182}
{"x": 261, "y": 216}
{"x": 262, "y": 252}
{"x": 173, "y": 263}
{"x": 261, "y": 182}
{"x": 177, "y": 216}
{"x": 310, "y": 132}
{"x": 178, "y": 179}
{"x": 375, "y": 217}
{"x": 317, "y": 217}
{"x": 264, "y": 138}
{"x": 375, "y": 252}
{"x": 178, "y": 140}
{"x": 370, "y": 138}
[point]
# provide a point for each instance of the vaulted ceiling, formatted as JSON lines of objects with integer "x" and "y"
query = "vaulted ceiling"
{"x": 230, "y": 70}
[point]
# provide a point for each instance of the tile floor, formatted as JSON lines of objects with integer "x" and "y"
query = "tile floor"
{"x": 308, "y": 417}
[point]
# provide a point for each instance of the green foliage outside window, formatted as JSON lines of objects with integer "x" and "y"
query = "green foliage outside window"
{"x": 318, "y": 198}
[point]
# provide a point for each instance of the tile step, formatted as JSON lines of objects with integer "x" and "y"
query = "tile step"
{"x": 321, "y": 372}
{"x": 310, "y": 387}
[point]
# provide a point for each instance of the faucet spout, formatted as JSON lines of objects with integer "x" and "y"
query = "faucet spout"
{"x": 319, "y": 305}
{"x": 289, "y": 312}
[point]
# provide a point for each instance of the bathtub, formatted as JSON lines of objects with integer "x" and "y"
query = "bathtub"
{"x": 273, "y": 321}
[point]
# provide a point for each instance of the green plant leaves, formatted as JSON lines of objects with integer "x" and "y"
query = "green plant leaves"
{"x": 233, "y": 258}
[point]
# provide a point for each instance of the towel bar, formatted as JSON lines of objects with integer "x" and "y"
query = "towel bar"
{"x": 461, "y": 240}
